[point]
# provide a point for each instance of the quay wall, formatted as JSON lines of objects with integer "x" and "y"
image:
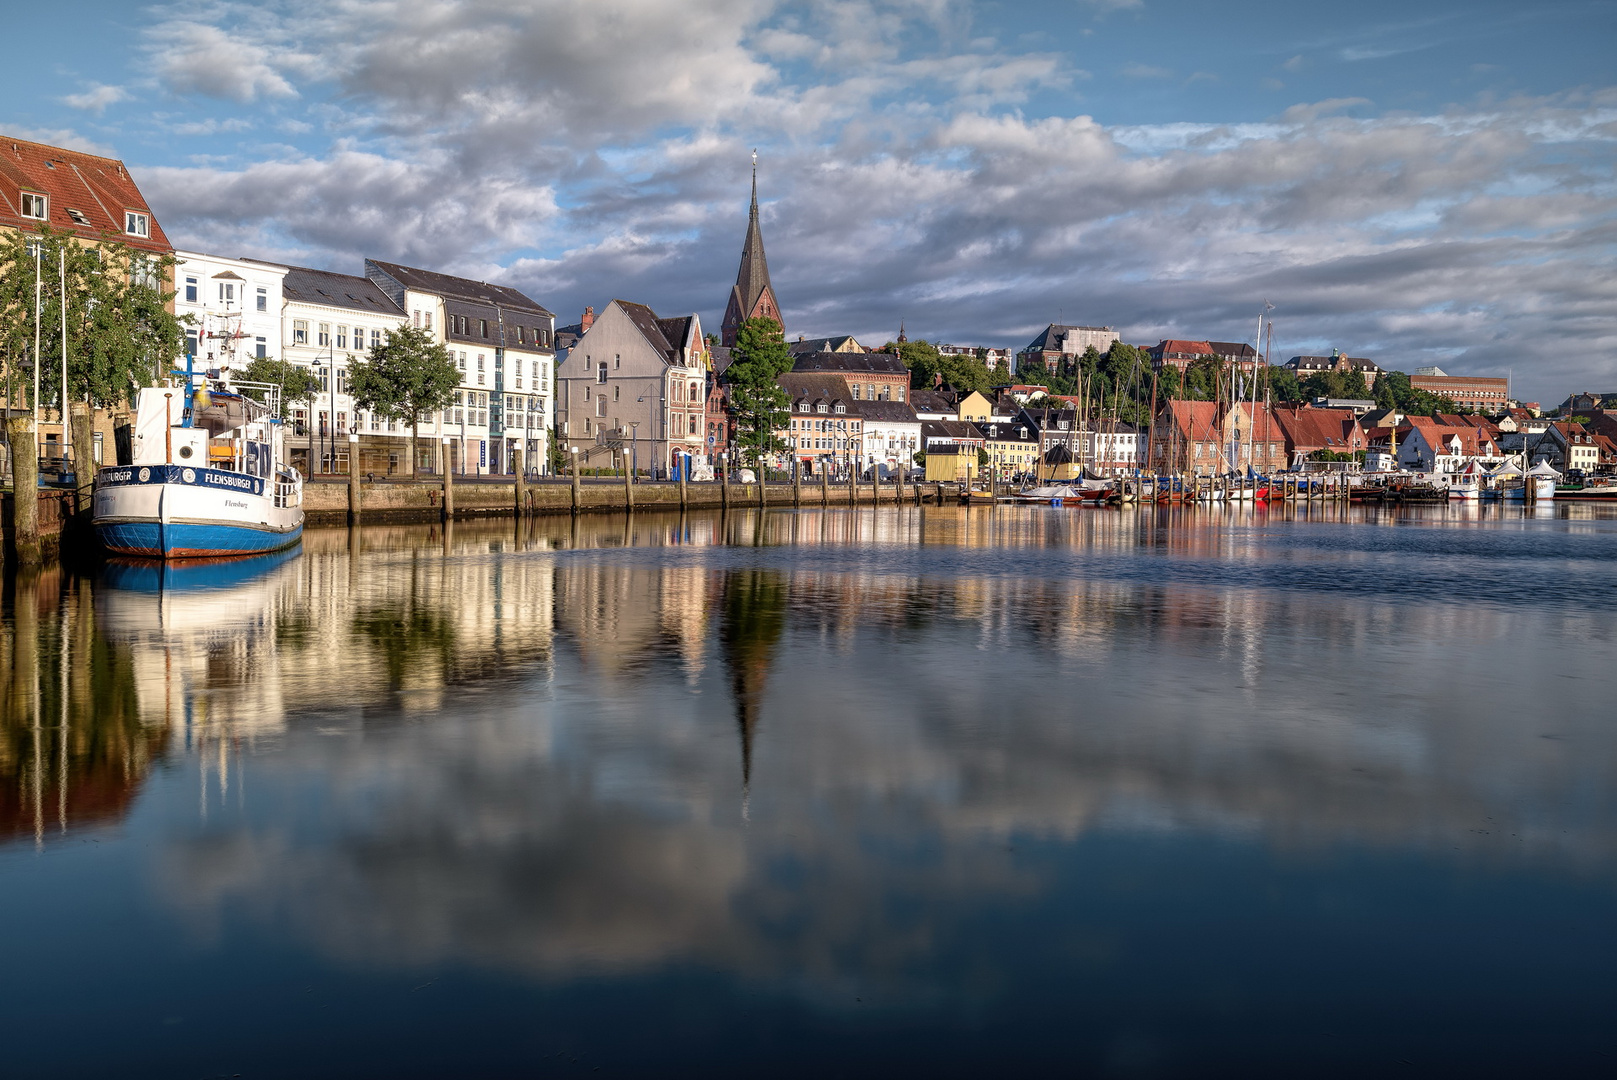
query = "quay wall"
{"x": 326, "y": 501}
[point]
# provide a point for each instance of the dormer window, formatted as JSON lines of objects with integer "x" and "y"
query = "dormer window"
{"x": 841, "y": 408}
{"x": 78, "y": 217}
{"x": 822, "y": 408}
{"x": 136, "y": 224}
{"x": 34, "y": 206}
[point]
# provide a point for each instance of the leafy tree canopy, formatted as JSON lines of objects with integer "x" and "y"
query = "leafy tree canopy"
{"x": 406, "y": 377}
{"x": 120, "y": 334}
{"x": 297, "y": 383}
{"x": 758, "y": 359}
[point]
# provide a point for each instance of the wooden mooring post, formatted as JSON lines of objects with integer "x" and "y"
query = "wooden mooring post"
{"x": 353, "y": 479}
{"x": 449, "y": 486}
{"x": 521, "y": 482}
{"x": 25, "y": 548}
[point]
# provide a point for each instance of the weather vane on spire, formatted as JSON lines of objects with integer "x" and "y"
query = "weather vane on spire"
{"x": 755, "y": 157}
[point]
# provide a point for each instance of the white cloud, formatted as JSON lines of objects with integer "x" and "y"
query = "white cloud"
{"x": 491, "y": 132}
{"x": 96, "y": 97}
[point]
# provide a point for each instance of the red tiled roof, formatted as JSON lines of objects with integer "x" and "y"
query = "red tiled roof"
{"x": 1308, "y": 430}
{"x": 98, "y": 189}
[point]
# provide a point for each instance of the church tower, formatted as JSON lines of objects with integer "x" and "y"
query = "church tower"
{"x": 752, "y": 295}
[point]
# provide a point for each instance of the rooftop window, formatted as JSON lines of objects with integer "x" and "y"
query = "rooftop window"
{"x": 34, "y": 206}
{"x": 78, "y": 217}
{"x": 137, "y": 224}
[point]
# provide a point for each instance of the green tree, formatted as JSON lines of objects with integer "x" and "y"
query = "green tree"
{"x": 1283, "y": 385}
{"x": 120, "y": 334}
{"x": 297, "y": 382}
{"x": 406, "y": 378}
{"x": 758, "y": 359}
{"x": 1201, "y": 381}
{"x": 962, "y": 374}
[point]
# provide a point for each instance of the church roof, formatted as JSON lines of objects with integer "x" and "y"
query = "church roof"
{"x": 753, "y": 277}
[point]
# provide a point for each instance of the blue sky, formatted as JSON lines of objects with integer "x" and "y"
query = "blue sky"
{"x": 1418, "y": 183}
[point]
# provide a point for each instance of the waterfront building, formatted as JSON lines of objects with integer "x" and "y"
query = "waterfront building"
{"x": 327, "y": 321}
{"x": 1208, "y": 438}
{"x": 936, "y": 433}
{"x": 824, "y": 428}
{"x": 953, "y": 462}
{"x": 234, "y": 306}
{"x": 637, "y": 382}
{"x": 1432, "y": 445}
{"x": 1309, "y": 431}
{"x": 89, "y": 198}
{"x": 1058, "y": 342}
{"x": 870, "y": 376}
{"x": 892, "y": 433}
{"x": 989, "y": 356}
{"x": 1468, "y": 392}
{"x": 1110, "y": 447}
{"x": 502, "y": 343}
{"x": 1238, "y": 354}
{"x": 752, "y": 296}
{"x": 1012, "y": 448}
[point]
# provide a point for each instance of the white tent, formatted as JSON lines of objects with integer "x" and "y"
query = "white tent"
{"x": 1544, "y": 468}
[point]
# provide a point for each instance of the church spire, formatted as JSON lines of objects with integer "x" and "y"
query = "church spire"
{"x": 753, "y": 295}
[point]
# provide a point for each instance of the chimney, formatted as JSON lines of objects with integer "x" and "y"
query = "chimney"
{"x": 587, "y": 321}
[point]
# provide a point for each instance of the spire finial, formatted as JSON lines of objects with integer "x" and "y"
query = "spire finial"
{"x": 755, "y": 180}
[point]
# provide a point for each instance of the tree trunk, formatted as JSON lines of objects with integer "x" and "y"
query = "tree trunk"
{"x": 409, "y": 463}
{"x": 20, "y": 436}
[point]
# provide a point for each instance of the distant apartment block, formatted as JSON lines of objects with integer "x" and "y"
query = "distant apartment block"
{"x": 1467, "y": 391}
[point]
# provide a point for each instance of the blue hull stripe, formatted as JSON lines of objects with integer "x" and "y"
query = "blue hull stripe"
{"x": 181, "y": 540}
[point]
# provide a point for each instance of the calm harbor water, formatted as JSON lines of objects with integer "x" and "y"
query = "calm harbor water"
{"x": 1316, "y": 791}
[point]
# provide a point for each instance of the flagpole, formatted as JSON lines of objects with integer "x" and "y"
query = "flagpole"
{"x": 39, "y": 284}
{"x": 67, "y": 435}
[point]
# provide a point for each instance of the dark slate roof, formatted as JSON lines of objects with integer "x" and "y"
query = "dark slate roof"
{"x": 932, "y": 401}
{"x": 339, "y": 290}
{"x": 820, "y": 344}
{"x": 1233, "y": 348}
{"x": 458, "y": 287}
{"x": 879, "y": 363}
{"x": 815, "y": 386}
{"x": 649, "y": 325}
{"x": 1007, "y": 431}
{"x": 1042, "y": 419}
{"x": 676, "y": 329}
{"x": 1328, "y": 363}
{"x": 890, "y": 412}
{"x": 957, "y": 430}
{"x": 721, "y": 358}
{"x": 1049, "y": 339}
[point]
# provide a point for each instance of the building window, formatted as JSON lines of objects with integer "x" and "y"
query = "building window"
{"x": 415, "y": 317}
{"x": 900, "y": 393}
{"x": 260, "y": 347}
{"x": 855, "y": 388}
{"x": 426, "y": 320}
{"x": 190, "y": 290}
{"x": 300, "y": 331}
{"x": 376, "y": 338}
{"x": 600, "y": 406}
{"x": 482, "y": 328}
{"x": 324, "y": 335}
{"x": 342, "y": 337}
{"x": 227, "y": 292}
{"x": 617, "y": 361}
{"x": 521, "y": 330}
{"x": 263, "y": 301}
{"x": 137, "y": 224}
{"x": 600, "y": 373}
{"x": 34, "y": 206}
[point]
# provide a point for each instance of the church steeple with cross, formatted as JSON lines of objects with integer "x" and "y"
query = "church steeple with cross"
{"x": 752, "y": 295}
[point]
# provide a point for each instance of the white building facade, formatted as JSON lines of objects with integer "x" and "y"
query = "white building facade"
{"x": 503, "y": 342}
{"x": 234, "y": 306}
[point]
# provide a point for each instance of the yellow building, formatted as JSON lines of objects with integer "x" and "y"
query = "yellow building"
{"x": 1012, "y": 448}
{"x": 975, "y": 408}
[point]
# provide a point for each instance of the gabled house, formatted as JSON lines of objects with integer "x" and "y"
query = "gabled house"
{"x": 638, "y": 383}
{"x": 1172, "y": 352}
{"x": 1013, "y": 448}
{"x": 1207, "y": 438}
{"x": 1426, "y": 444}
{"x": 840, "y": 343}
{"x": 1308, "y": 431}
{"x": 85, "y": 195}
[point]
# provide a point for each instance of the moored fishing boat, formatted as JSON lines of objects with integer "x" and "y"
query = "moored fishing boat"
{"x": 206, "y": 478}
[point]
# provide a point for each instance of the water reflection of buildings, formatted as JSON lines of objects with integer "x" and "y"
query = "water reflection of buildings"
{"x": 73, "y": 747}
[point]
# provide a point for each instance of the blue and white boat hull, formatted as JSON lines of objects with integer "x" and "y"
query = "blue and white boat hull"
{"x": 187, "y": 512}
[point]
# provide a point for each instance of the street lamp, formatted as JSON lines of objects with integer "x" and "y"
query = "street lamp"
{"x": 634, "y": 447}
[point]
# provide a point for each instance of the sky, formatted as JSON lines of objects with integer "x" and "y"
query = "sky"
{"x": 1417, "y": 183}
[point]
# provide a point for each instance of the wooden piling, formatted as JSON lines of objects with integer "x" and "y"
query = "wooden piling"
{"x": 574, "y": 454}
{"x": 449, "y": 489}
{"x": 684, "y": 491}
{"x": 353, "y": 481}
{"x": 20, "y": 437}
{"x": 825, "y": 485}
{"x": 797, "y": 481}
{"x": 628, "y": 486}
{"x": 521, "y": 482}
